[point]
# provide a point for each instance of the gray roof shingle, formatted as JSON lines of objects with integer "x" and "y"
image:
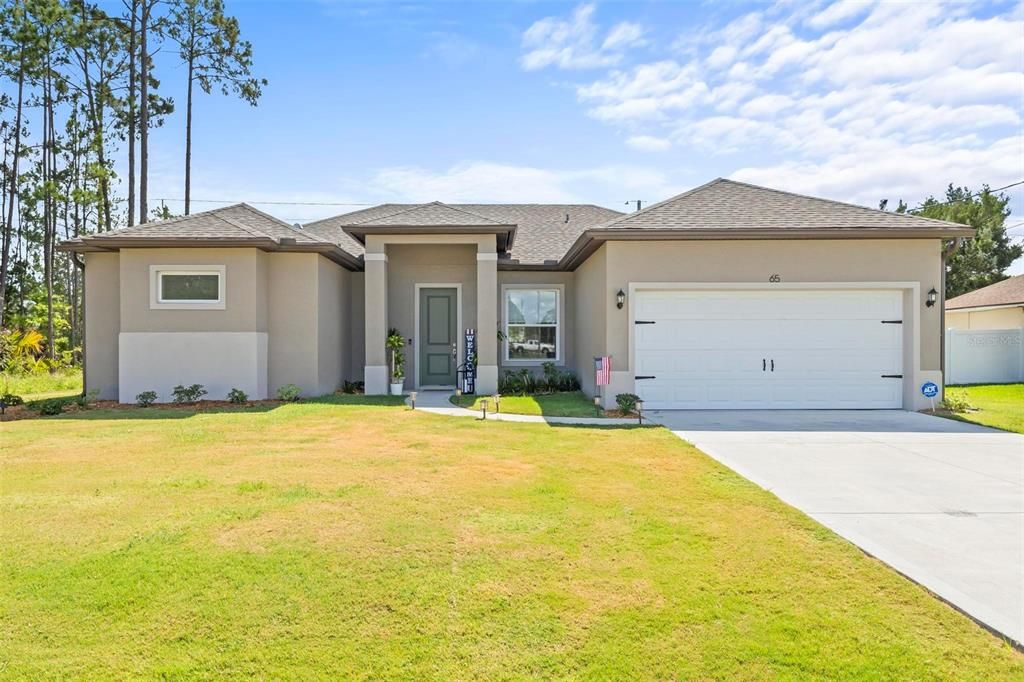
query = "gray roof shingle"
{"x": 726, "y": 204}
{"x": 1007, "y": 292}
{"x": 544, "y": 232}
{"x": 239, "y": 221}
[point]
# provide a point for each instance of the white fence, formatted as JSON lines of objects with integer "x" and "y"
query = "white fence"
{"x": 991, "y": 356}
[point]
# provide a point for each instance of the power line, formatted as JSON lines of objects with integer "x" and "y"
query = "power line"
{"x": 977, "y": 194}
{"x": 274, "y": 203}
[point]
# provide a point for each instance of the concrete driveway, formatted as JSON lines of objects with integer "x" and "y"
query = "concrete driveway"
{"x": 940, "y": 501}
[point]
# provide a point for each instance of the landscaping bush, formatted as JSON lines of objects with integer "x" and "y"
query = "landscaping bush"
{"x": 627, "y": 402}
{"x": 145, "y": 399}
{"x": 957, "y": 401}
{"x": 86, "y": 399}
{"x": 237, "y": 396}
{"x": 352, "y": 387}
{"x": 10, "y": 400}
{"x": 289, "y": 393}
{"x": 50, "y": 406}
{"x": 187, "y": 394}
{"x": 525, "y": 382}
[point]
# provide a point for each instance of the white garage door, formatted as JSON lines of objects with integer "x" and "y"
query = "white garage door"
{"x": 705, "y": 350}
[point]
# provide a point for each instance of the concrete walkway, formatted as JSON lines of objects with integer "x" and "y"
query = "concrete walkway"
{"x": 438, "y": 402}
{"x": 938, "y": 500}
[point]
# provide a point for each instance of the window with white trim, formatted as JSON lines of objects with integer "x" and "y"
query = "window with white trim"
{"x": 532, "y": 318}
{"x": 187, "y": 287}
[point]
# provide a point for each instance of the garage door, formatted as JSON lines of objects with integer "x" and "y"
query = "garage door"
{"x": 769, "y": 349}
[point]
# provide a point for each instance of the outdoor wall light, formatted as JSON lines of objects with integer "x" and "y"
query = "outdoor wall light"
{"x": 932, "y": 297}
{"x": 620, "y": 299}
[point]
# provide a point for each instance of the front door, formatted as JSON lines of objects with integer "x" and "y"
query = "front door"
{"x": 438, "y": 345}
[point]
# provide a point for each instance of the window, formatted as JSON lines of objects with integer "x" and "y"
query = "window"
{"x": 187, "y": 287}
{"x": 532, "y": 318}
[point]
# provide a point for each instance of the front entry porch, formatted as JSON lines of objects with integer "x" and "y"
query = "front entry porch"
{"x": 431, "y": 288}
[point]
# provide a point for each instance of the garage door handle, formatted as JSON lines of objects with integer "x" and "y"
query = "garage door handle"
{"x": 892, "y": 376}
{"x": 764, "y": 364}
{"x": 773, "y": 364}
{"x": 638, "y": 378}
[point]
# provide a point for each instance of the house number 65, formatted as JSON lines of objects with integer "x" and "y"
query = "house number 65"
{"x": 775, "y": 279}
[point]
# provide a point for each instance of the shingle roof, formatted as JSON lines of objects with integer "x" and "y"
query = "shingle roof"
{"x": 434, "y": 214}
{"x": 543, "y": 232}
{"x": 726, "y": 204}
{"x": 239, "y": 221}
{"x": 1007, "y": 292}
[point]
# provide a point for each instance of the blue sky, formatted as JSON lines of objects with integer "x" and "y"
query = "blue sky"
{"x": 607, "y": 102}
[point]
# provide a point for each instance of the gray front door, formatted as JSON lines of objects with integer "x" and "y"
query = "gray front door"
{"x": 438, "y": 344}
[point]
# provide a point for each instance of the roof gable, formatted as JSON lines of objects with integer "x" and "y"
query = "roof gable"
{"x": 432, "y": 214}
{"x": 729, "y": 205}
{"x": 1006, "y": 292}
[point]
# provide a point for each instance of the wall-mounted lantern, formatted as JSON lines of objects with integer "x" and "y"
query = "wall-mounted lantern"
{"x": 933, "y": 296}
{"x": 620, "y": 299}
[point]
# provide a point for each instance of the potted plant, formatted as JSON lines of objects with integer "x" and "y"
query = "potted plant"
{"x": 396, "y": 343}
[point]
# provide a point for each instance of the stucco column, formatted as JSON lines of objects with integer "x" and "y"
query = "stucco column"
{"x": 375, "y": 373}
{"x": 487, "y": 317}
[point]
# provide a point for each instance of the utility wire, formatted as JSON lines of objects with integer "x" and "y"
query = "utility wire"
{"x": 275, "y": 203}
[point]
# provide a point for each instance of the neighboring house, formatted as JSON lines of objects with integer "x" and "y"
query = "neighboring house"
{"x": 997, "y": 306}
{"x": 985, "y": 334}
{"x": 726, "y": 296}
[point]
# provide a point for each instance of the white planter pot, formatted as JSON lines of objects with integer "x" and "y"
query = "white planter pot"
{"x": 396, "y": 389}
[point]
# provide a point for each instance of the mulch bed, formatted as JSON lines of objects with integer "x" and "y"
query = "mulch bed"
{"x": 18, "y": 412}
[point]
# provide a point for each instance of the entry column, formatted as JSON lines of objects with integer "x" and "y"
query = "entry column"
{"x": 487, "y": 317}
{"x": 375, "y": 372}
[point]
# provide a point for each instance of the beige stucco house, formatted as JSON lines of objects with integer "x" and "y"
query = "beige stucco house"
{"x": 997, "y": 306}
{"x": 726, "y": 296}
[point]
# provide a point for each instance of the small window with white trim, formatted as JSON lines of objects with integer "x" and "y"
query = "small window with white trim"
{"x": 532, "y": 324}
{"x": 187, "y": 287}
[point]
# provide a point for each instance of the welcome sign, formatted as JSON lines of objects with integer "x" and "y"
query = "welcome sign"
{"x": 469, "y": 373}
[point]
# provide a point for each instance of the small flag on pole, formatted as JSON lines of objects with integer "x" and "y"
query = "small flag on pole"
{"x": 603, "y": 367}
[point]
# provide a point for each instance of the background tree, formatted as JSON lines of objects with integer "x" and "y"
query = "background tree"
{"x": 210, "y": 46}
{"x": 983, "y": 259}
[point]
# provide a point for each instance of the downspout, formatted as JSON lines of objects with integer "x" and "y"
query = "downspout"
{"x": 947, "y": 253}
{"x": 79, "y": 261}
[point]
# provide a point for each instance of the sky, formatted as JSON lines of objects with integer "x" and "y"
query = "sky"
{"x": 605, "y": 103}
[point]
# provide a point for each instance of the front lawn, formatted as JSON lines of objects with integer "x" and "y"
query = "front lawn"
{"x": 332, "y": 540}
{"x": 572, "y": 404}
{"x": 998, "y": 405}
{"x": 43, "y": 385}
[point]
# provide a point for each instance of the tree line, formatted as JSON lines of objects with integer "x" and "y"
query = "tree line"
{"x": 80, "y": 89}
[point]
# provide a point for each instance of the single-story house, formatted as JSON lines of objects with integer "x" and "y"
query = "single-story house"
{"x": 727, "y": 296}
{"x": 997, "y": 306}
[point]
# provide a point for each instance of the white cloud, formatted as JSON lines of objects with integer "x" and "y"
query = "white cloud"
{"x": 849, "y": 99}
{"x": 485, "y": 181}
{"x": 574, "y": 43}
{"x": 626, "y": 34}
{"x": 649, "y": 143}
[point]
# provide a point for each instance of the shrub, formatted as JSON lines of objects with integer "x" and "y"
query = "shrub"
{"x": 187, "y": 394}
{"x": 289, "y": 393}
{"x": 51, "y": 406}
{"x": 627, "y": 402}
{"x": 957, "y": 401}
{"x": 145, "y": 399}
{"x": 10, "y": 400}
{"x": 352, "y": 387}
{"x": 525, "y": 382}
{"x": 86, "y": 399}
{"x": 237, "y": 396}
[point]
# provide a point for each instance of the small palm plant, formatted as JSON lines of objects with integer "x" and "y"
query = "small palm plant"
{"x": 396, "y": 344}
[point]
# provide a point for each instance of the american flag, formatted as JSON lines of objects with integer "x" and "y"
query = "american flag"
{"x": 603, "y": 366}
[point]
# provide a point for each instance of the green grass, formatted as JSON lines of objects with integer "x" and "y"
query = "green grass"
{"x": 342, "y": 539}
{"x": 998, "y": 405}
{"x": 574, "y": 404}
{"x": 45, "y": 385}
